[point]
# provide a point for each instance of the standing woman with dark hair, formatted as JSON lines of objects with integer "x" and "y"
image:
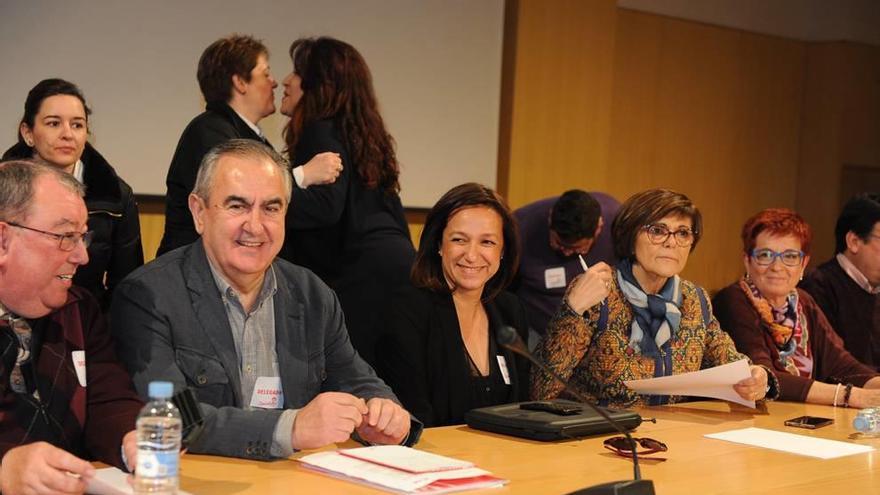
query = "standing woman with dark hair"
{"x": 352, "y": 233}
{"x": 54, "y": 130}
{"x": 441, "y": 356}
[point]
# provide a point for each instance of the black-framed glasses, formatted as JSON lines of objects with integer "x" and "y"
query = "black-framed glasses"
{"x": 789, "y": 257}
{"x": 659, "y": 233}
{"x": 66, "y": 241}
{"x": 621, "y": 446}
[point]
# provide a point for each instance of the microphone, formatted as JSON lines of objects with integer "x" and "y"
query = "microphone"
{"x": 508, "y": 338}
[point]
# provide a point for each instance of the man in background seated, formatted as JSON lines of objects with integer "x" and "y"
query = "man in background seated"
{"x": 239, "y": 92}
{"x": 63, "y": 394}
{"x": 262, "y": 341}
{"x": 846, "y": 287}
{"x": 554, "y": 231}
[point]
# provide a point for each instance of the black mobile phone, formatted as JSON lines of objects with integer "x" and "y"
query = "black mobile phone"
{"x": 551, "y": 407}
{"x": 811, "y": 422}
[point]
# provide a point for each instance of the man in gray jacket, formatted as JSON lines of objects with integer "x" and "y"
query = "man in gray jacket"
{"x": 261, "y": 341}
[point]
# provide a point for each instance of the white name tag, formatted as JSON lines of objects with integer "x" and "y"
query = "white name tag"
{"x": 554, "y": 277}
{"x": 79, "y": 364}
{"x": 268, "y": 393}
{"x": 502, "y": 365}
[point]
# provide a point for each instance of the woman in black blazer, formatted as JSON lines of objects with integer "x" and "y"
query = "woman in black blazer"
{"x": 441, "y": 356}
{"x": 352, "y": 233}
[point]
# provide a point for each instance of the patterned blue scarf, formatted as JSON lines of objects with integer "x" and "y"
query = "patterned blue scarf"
{"x": 658, "y": 315}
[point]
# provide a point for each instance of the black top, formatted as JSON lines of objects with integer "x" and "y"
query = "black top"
{"x": 113, "y": 217}
{"x": 217, "y": 124}
{"x": 491, "y": 389}
{"x": 424, "y": 360}
{"x": 353, "y": 237}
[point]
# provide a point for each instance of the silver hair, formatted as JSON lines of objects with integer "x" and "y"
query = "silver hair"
{"x": 17, "y": 178}
{"x": 241, "y": 148}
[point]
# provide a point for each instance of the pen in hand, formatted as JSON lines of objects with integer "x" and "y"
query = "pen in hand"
{"x": 583, "y": 263}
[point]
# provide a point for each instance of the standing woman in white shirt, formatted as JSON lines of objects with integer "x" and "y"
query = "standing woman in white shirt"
{"x": 54, "y": 130}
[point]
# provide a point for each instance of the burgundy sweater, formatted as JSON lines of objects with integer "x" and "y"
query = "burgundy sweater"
{"x": 853, "y": 313}
{"x": 831, "y": 362}
{"x": 87, "y": 421}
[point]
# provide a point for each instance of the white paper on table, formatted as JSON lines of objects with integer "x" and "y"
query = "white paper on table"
{"x": 791, "y": 443}
{"x": 334, "y": 462}
{"x": 716, "y": 383}
{"x": 112, "y": 481}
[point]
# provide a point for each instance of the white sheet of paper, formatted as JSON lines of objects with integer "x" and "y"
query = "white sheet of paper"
{"x": 112, "y": 481}
{"x": 334, "y": 462}
{"x": 791, "y": 443}
{"x": 716, "y": 383}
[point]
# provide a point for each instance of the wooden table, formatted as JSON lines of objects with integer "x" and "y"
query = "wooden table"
{"x": 694, "y": 465}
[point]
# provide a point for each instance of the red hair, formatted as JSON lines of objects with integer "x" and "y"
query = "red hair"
{"x": 777, "y": 222}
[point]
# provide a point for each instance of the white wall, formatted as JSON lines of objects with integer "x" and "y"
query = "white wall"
{"x": 436, "y": 66}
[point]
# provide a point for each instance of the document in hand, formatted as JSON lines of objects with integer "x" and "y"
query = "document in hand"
{"x": 716, "y": 383}
{"x": 401, "y": 469}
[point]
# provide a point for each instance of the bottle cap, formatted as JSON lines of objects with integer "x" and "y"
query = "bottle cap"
{"x": 160, "y": 390}
{"x": 860, "y": 423}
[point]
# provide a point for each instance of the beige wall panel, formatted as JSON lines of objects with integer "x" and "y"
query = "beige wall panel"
{"x": 841, "y": 125}
{"x": 711, "y": 112}
{"x": 152, "y": 228}
{"x": 562, "y": 97}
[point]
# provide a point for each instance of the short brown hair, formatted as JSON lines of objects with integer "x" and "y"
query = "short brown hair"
{"x": 777, "y": 222}
{"x": 233, "y": 55}
{"x": 427, "y": 271}
{"x": 645, "y": 208}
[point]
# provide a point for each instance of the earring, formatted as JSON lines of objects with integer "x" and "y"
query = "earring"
{"x": 748, "y": 277}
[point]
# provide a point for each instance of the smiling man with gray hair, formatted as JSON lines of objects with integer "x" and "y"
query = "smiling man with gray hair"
{"x": 261, "y": 341}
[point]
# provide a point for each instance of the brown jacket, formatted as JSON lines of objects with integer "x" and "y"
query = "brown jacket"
{"x": 831, "y": 362}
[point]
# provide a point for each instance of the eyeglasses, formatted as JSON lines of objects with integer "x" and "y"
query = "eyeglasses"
{"x": 621, "y": 446}
{"x": 67, "y": 241}
{"x": 789, "y": 257}
{"x": 658, "y": 234}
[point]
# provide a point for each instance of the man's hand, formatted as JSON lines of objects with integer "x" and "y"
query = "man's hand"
{"x": 323, "y": 168}
{"x": 129, "y": 446}
{"x": 39, "y": 468}
{"x": 754, "y": 387}
{"x": 386, "y": 422}
{"x": 330, "y": 417}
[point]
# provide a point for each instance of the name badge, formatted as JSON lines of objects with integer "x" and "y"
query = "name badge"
{"x": 554, "y": 278}
{"x": 79, "y": 364}
{"x": 267, "y": 393}
{"x": 502, "y": 365}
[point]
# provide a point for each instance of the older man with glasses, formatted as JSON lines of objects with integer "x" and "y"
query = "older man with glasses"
{"x": 52, "y": 412}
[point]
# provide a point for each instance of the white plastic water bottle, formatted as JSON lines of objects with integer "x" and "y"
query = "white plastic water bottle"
{"x": 158, "y": 443}
{"x": 867, "y": 421}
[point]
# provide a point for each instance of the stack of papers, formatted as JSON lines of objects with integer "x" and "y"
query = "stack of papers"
{"x": 401, "y": 469}
{"x": 715, "y": 383}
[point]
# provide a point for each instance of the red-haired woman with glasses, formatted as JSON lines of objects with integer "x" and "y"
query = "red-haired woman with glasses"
{"x": 640, "y": 319}
{"x": 782, "y": 327}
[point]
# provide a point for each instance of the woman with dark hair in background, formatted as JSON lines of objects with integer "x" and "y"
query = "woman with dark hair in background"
{"x": 352, "y": 233}
{"x": 639, "y": 320}
{"x": 54, "y": 130}
{"x": 780, "y": 326}
{"x": 441, "y": 356}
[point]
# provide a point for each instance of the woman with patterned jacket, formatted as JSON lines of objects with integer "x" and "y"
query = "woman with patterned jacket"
{"x": 640, "y": 319}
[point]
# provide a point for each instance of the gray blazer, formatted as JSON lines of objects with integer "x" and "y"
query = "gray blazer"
{"x": 169, "y": 323}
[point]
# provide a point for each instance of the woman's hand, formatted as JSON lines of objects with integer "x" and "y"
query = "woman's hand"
{"x": 590, "y": 288}
{"x": 323, "y": 168}
{"x": 754, "y": 387}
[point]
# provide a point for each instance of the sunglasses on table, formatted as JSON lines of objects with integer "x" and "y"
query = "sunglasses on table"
{"x": 621, "y": 446}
